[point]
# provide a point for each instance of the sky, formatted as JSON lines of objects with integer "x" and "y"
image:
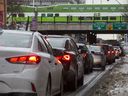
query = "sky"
{"x": 107, "y": 36}
{"x": 106, "y": 2}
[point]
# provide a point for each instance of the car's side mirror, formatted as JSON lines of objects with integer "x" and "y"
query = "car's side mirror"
{"x": 79, "y": 50}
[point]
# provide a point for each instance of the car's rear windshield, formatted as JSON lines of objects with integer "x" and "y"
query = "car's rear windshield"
{"x": 57, "y": 42}
{"x": 15, "y": 40}
{"x": 95, "y": 48}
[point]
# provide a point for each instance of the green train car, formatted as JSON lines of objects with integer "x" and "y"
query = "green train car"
{"x": 73, "y": 19}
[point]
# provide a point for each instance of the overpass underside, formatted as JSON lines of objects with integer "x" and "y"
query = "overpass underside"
{"x": 73, "y": 28}
{"x": 61, "y": 32}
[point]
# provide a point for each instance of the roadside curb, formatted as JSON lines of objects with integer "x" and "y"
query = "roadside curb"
{"x": 88, "y": 90}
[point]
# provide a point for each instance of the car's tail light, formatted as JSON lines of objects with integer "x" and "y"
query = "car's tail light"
{"x": 65, "y": 57}
{"x": 65, "y": 60}
{"x": 117, "y": 52}
{"x": 84, "y": 55}
{"x": 109, "y": 52}
{"x": 32, "y": 59}
{"x": 113, "y": 52}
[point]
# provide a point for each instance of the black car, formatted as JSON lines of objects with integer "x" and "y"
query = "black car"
{"x": 87, "y": 57}
{"x": 66, "y": 50}
{"x": 109, "y": 53}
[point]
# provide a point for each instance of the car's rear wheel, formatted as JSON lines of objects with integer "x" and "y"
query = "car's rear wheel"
{"x": 103, "y": 68}
{"x": 110, "y": 62}
{"x": 72, "y": 85}
{"x": 81, "y": 81}
{"x": 91, "y": 67}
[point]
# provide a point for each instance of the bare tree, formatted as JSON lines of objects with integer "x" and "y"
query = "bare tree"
{"x": 13, "y": 7}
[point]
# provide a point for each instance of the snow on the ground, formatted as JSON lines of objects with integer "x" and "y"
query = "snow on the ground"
{"x": 116, "y": 84}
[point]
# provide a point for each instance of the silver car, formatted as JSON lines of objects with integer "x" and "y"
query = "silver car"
{"x": 27, "y": 65}
{"x": 98, "y": 56}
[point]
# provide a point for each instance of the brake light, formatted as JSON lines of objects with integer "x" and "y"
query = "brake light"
{"x": 84, "y": 55}
{"x": 112, "y": 52}
{"x": 32, "y": 59}
{"x": 109, "y": 52}
{"x": 116, "y": 52}
{"x": 65, "y": 57}
{"x": 59, "y": 57}
{"x": 58, "y": 61}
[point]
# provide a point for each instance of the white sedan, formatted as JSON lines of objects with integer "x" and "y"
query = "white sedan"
{"x": 27, "y": 65}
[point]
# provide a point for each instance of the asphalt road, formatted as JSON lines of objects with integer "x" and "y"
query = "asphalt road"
{"x": 91, "y": 80}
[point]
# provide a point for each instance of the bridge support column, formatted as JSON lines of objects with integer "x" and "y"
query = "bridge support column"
{"x": 91, "y": 38}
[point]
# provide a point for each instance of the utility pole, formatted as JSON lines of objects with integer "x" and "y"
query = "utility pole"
{"x": 5, "y": 12}
{"x": 85, "y": 2}
{"x": 92, "y": 1}
{"x": 34, "y": 24}
{"x": 33, "y": 3}
{"x": 100, "y": 1}
{"x": 3, "y": 9}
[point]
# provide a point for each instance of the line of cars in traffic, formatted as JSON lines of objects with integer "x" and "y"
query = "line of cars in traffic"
{"x": 32, "y": 64}
{"x": 99, "y": 55}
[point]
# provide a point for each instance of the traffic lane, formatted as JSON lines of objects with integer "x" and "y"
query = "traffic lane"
{"x": 87, "y": 79}
{"x": 91, "y": 79}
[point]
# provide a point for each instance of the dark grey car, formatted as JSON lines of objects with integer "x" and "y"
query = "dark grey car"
{"x": 87, "y": 57}
{"x": 66, "y": 50}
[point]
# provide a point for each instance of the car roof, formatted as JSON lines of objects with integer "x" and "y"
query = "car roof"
{"x": 18, "y": 31}
{"x": 101, "y": 44}
{"x": 58, "y": 36}
{"x": 80, "y": 44}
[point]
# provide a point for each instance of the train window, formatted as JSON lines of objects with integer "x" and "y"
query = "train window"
{"x": 14, "y": 15}
{"x": 81, "y": 18}
{"x": 88, "y": 18}
{"x": 104, "y": 18}
{"x": 43, "y": 15}
{"x": 56, "y": 14}
{"x": 124, "y": 18}
{"x": 112, "y": 18}
{"x": 96, "y": 18}
{"x": 50, "y": 15}
{"x": 20, "y": 15}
